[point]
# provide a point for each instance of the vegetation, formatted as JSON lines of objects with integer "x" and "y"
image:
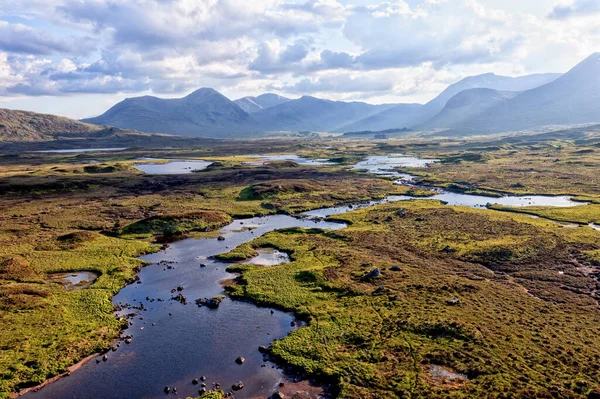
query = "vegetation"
{"x": 505, "y": 299}
{"x": 493, "y": 306}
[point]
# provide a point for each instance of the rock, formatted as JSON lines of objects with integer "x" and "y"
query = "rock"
{"x": 379, "y": 289}
{"x": 278, "y": 395}
{"x": 202, "y": 391}
{"x": 202, "y": 264}
{"x": 221, "y": 238}
{"x": 262, "y": 349}
{"x": 447, "y": 249}
{"x": 128, "y": 340}
{"x": 203, "y": 378}
{"x": 180, "y": 288}
{"x": 401, "y": 213}
{"x": 180, "y": 298}
{"x": 195, "y": 381}
{"x": 373, "y": 273}
{"x": 174, "y": 390}
{"x": 452, "y": 302}
{"x": 293, "y": 324}
{"x": 240, "y": 360}
{"x": 203, "y": 385}
{"x": 105, "y": 357}
{"x": 272, "y": 311}
{"x": 212, "y": 303}
{"x": 237, "y": 386}
{"x": 167, "y": 389}
{"x": 395, "y": 268}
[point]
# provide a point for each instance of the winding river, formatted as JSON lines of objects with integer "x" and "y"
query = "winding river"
{"x": 173, "y": 343}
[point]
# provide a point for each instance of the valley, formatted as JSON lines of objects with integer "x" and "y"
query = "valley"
{"x": 470, "y": 296}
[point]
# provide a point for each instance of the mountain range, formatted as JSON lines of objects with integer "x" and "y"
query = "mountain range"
{"x": 485, "y": 103}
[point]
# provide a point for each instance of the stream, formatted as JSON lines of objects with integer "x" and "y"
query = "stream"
{"x": 173, "y": 343}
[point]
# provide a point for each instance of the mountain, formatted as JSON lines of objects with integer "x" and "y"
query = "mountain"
{"x": 574, "y": 98}
{"x": 254, "y": 104}
{"x": 314, "y": 114}
{"x": 402, "y": 117}
{"x": 465, "y": 105}
{"x": 398, "y": 116}
{"x": 203, "y": 113}
{"x": 30, "y": 126}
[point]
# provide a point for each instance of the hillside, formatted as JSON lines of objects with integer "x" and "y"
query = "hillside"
{"x": 315, "y": 114}
{"x": 30, "y": 126}
{"x": 264, "y": 101}
{"x": 465, "y": 105}
{"x": 402, "y": 117}
{"x": 574, "y": 98}
{"x": 203, "y": 113}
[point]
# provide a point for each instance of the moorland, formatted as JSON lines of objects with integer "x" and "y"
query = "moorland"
{"x": 464, "y": 302}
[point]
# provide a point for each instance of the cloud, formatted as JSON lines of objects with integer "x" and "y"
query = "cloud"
{"x": 273, "y": 57}
{"x": 576, "y": 8}
{"x": 19, "y": 38}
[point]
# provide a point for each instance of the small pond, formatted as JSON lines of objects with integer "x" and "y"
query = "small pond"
{"x": 74, "y": 280}
{"x": 269, "y": 257}
{"x": 172, "y": 167}
{"x": 84, "y": 150}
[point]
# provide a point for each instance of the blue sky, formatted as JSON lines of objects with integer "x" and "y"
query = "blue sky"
{"x": 78, "y": 57}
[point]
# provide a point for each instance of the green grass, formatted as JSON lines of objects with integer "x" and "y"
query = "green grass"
{"x": 515, "y": 333}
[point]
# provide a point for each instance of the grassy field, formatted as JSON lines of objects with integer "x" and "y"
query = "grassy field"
{"x": 518, "y": 327}
{"x": 506, "y": 302}
{"x": 58, "y": 218}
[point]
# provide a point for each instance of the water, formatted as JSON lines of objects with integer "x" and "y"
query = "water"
{"x": 193, "y": 341}
{"x": 290, "y": 157}
{"x": 173, "y": 167}
{"x": 269, "y": 257}
{"x": 457, "y": 199}
{"x": 188, "y": 341}
{"x": 385, "y": 164}
{"x": 85, "y": 150}
{"x": 74, "y": 281}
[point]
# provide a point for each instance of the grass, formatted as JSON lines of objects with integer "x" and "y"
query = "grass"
{"x": 67, "y": 221}
{"x": 517, "y": 332}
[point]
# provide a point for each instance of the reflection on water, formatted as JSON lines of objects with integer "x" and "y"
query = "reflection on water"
{"x": 269, "y": 257}
{"x": 74, "y": 280}
{"x": 385, "y": 164}
{"x": 174, "y": 343}
{"x": 173, "y": 167}
{"x": 288, "y": 157}
{"x": 85, "y": 150}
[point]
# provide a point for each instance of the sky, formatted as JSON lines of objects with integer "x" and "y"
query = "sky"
{"x": 79, "y": 57}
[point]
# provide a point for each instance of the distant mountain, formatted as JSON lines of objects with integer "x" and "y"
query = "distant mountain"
{"x": 203, "y": 113}
{"x": 314, "y": 114}
{"x": 264, "y": 101}
{"x": 466, "y": 104}
{"x": 396, "y": 117}
{"x": 574, "y": 98}
{"x": 19, "y": 126}
{"x": 410, "y": 117}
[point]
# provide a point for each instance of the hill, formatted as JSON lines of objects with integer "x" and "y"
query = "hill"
{"x": 264, "y": 101}
{"x": 574, "y": 98}
{"x": 203, "y": 113}
{"x": 314, "y": 114}
{"x": 402, "y": 116}
{"x": 30, "y": 126}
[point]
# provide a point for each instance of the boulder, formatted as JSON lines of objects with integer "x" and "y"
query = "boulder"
{"x": 452, "y": 302}
{"x": 237, "y": 386}
{"x": 221, "y": 238}
{"x": 595, "y": 394}
{"x": 395, "y": 268}
{"x": 373, "y": 274}
{"x": 240, "y": 360}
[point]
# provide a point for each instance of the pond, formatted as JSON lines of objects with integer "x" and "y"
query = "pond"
{"x": 269, "y": 257}
{"x": 174, "y": 343}
{"x": 73, "y": 280}
{"x": 84, "y": 150}
{"x": 172, "y": 167}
